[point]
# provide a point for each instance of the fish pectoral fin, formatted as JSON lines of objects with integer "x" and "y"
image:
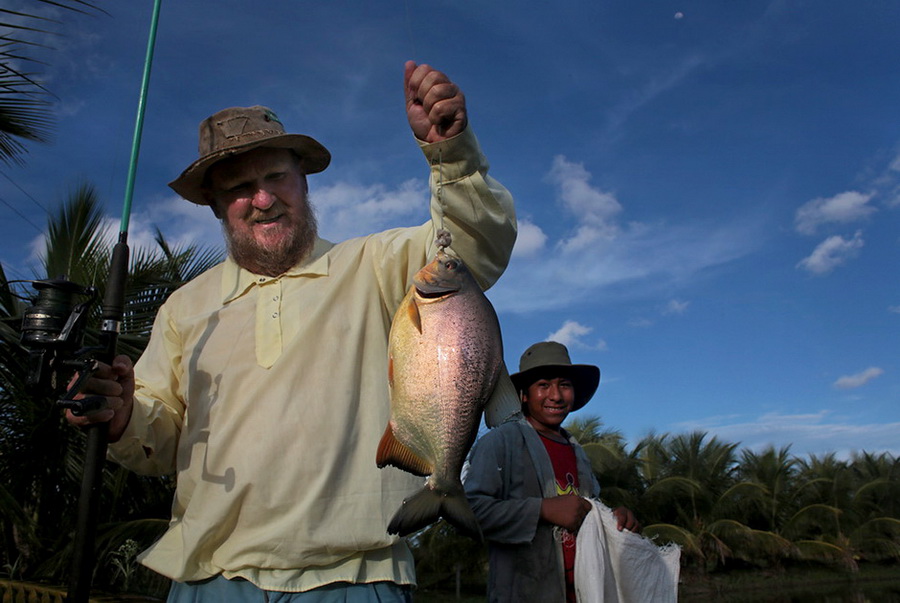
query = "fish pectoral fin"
{"x": 413, "y": 309}
{"x": 392, "y": 451}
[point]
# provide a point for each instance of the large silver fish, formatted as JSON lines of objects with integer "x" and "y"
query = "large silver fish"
{"x": 446, "y": 356}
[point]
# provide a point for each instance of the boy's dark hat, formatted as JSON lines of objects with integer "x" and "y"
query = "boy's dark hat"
{"x": 552, "y": 358}
{"x": 240, "y": 129}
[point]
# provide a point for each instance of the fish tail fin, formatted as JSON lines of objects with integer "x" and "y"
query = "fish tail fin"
{"x": 456, "y": 510}
{"x": 428, "y": 505}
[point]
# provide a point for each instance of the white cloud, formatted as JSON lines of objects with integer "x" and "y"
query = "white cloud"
{"x": 530, "y": 239}
{"x": 572, "y": 333}
{"x": 665, "y": 77}
{"x": 182, "y": 222}
{"x": 676, "y": 306}
{"x": 859, "y": 379}
{"x": 843, "y": 208}
{"x": 595, "y": 209}
{"x": 895, "y": 164}
{"x": 893, "y": 199}
{"x": 642, "y": 261}
{"x": 831, "y": 252}
{"x": 809, "y": 433}
{"x": 350, "y": 210}
{"x": 679, "y": 15}
{"x": 601, "y": 253}
{"x": 894, "y": 309}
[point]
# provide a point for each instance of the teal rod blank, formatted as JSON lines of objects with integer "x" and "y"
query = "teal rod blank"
{"x": 139, "y": 124}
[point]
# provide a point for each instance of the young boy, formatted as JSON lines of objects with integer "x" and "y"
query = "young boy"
{"x": 526, "y": 479}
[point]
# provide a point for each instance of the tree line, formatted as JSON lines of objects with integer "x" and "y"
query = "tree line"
{"x": 727, "y": 508}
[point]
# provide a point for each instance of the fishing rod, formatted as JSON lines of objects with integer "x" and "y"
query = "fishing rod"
{"x": 113, "y": 310}
{"x": 52, "y": 329}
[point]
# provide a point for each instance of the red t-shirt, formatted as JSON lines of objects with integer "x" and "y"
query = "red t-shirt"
{"x": 565, "y": 467}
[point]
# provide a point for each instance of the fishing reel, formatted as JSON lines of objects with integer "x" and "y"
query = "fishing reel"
{"x": 53, "y": 333}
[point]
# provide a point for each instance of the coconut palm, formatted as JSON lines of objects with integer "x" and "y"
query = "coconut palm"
{"x": 616, "y": 469}
{"x": 40, "y": 455}
{"x": 690, "y": 471}
{"x": 857, "y": 518}
{"x": 774, "y": 472}
{"x": 24, "y": 101}
{"x": 691, "y": 496}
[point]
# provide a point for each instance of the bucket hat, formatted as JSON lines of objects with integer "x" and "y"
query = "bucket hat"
{"x": 240, "y": 129}
{"x": 552, "y": 357}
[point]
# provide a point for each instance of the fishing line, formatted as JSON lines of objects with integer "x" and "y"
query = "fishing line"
{"x": 20, "y": 214}
{"x": 409, "y": 30}
{"x": 24, "y": 192}
{"x": 443, "y": 239}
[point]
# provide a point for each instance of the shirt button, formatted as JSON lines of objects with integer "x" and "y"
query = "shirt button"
{"x": 274, "y": 314}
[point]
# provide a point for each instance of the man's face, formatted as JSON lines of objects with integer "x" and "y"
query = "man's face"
{"x": 261, "y": 198}
{"x": 547, "y": 402}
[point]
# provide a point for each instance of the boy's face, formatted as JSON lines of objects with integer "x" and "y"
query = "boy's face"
{"x": 548, "y": 401}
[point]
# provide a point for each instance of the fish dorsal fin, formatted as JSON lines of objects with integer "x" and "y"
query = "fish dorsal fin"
{"x": 504, "y": 402}
{"x": 393, "y": 452}
{"x": 413, "y": 309}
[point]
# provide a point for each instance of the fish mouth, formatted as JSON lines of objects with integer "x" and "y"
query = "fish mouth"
{"x": 434, "y": 292}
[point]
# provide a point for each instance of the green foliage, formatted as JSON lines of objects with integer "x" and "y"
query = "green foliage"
{"x": 41, "y": 456}
{"x": 25, "y": 107}
{"x": 737, "y": 508}
{"x": 444, "y": 557}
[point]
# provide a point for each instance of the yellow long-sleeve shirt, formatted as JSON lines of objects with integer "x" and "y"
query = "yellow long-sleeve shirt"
{"x": 268, "y": 396}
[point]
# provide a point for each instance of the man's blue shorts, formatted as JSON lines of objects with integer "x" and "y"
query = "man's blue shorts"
{"x": 220, "y": 590}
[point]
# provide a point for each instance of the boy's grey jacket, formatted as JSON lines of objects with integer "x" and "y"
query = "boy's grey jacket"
{"x": 506, "y": 476}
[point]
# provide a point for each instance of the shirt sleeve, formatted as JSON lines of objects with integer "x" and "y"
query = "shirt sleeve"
{"x": 476, "y": 209}
{"x": 494, "y": 486}
{"x": 150, "y": 440}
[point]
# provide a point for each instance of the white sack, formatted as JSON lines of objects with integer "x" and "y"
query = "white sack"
{"x": 622, "y": 567}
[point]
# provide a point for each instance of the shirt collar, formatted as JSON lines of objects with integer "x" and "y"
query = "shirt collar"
{"x": 237, "y": 281}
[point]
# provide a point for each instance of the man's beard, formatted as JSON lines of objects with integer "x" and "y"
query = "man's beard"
{"x": 275, "y": 261}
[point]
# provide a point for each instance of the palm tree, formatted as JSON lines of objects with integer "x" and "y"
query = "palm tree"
{"x": 694, "y": 469}
{"x": 24, "y": 105}
{"x": 616, "y": 469}
{"x": 691, "y": 481}
{"x": 40, "y": 455}
{"x": 774, "y": 472}
{"x": 857, "y": 518}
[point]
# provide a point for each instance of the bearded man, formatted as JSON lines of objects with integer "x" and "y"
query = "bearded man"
{"x": 264, "y": 385}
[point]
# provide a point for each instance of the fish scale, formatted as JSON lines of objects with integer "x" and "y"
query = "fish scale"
{"x": 446, "y": 356}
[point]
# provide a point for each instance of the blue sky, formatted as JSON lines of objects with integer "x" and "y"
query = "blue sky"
{"x": 708, "y": 192}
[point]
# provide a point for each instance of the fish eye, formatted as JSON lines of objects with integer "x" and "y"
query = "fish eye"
{"x": 451, "y": 264}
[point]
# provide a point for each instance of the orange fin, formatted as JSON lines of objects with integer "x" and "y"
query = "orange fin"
{"x": 392, "y": 451}
{"x": 414, "y": 316}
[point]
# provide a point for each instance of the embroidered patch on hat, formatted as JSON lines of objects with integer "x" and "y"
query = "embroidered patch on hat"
{"x": 270, "y": 116}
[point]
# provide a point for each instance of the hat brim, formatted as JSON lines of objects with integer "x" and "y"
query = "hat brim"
{"x": 313, "y": 155}
{"x": 585, "y": 378}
